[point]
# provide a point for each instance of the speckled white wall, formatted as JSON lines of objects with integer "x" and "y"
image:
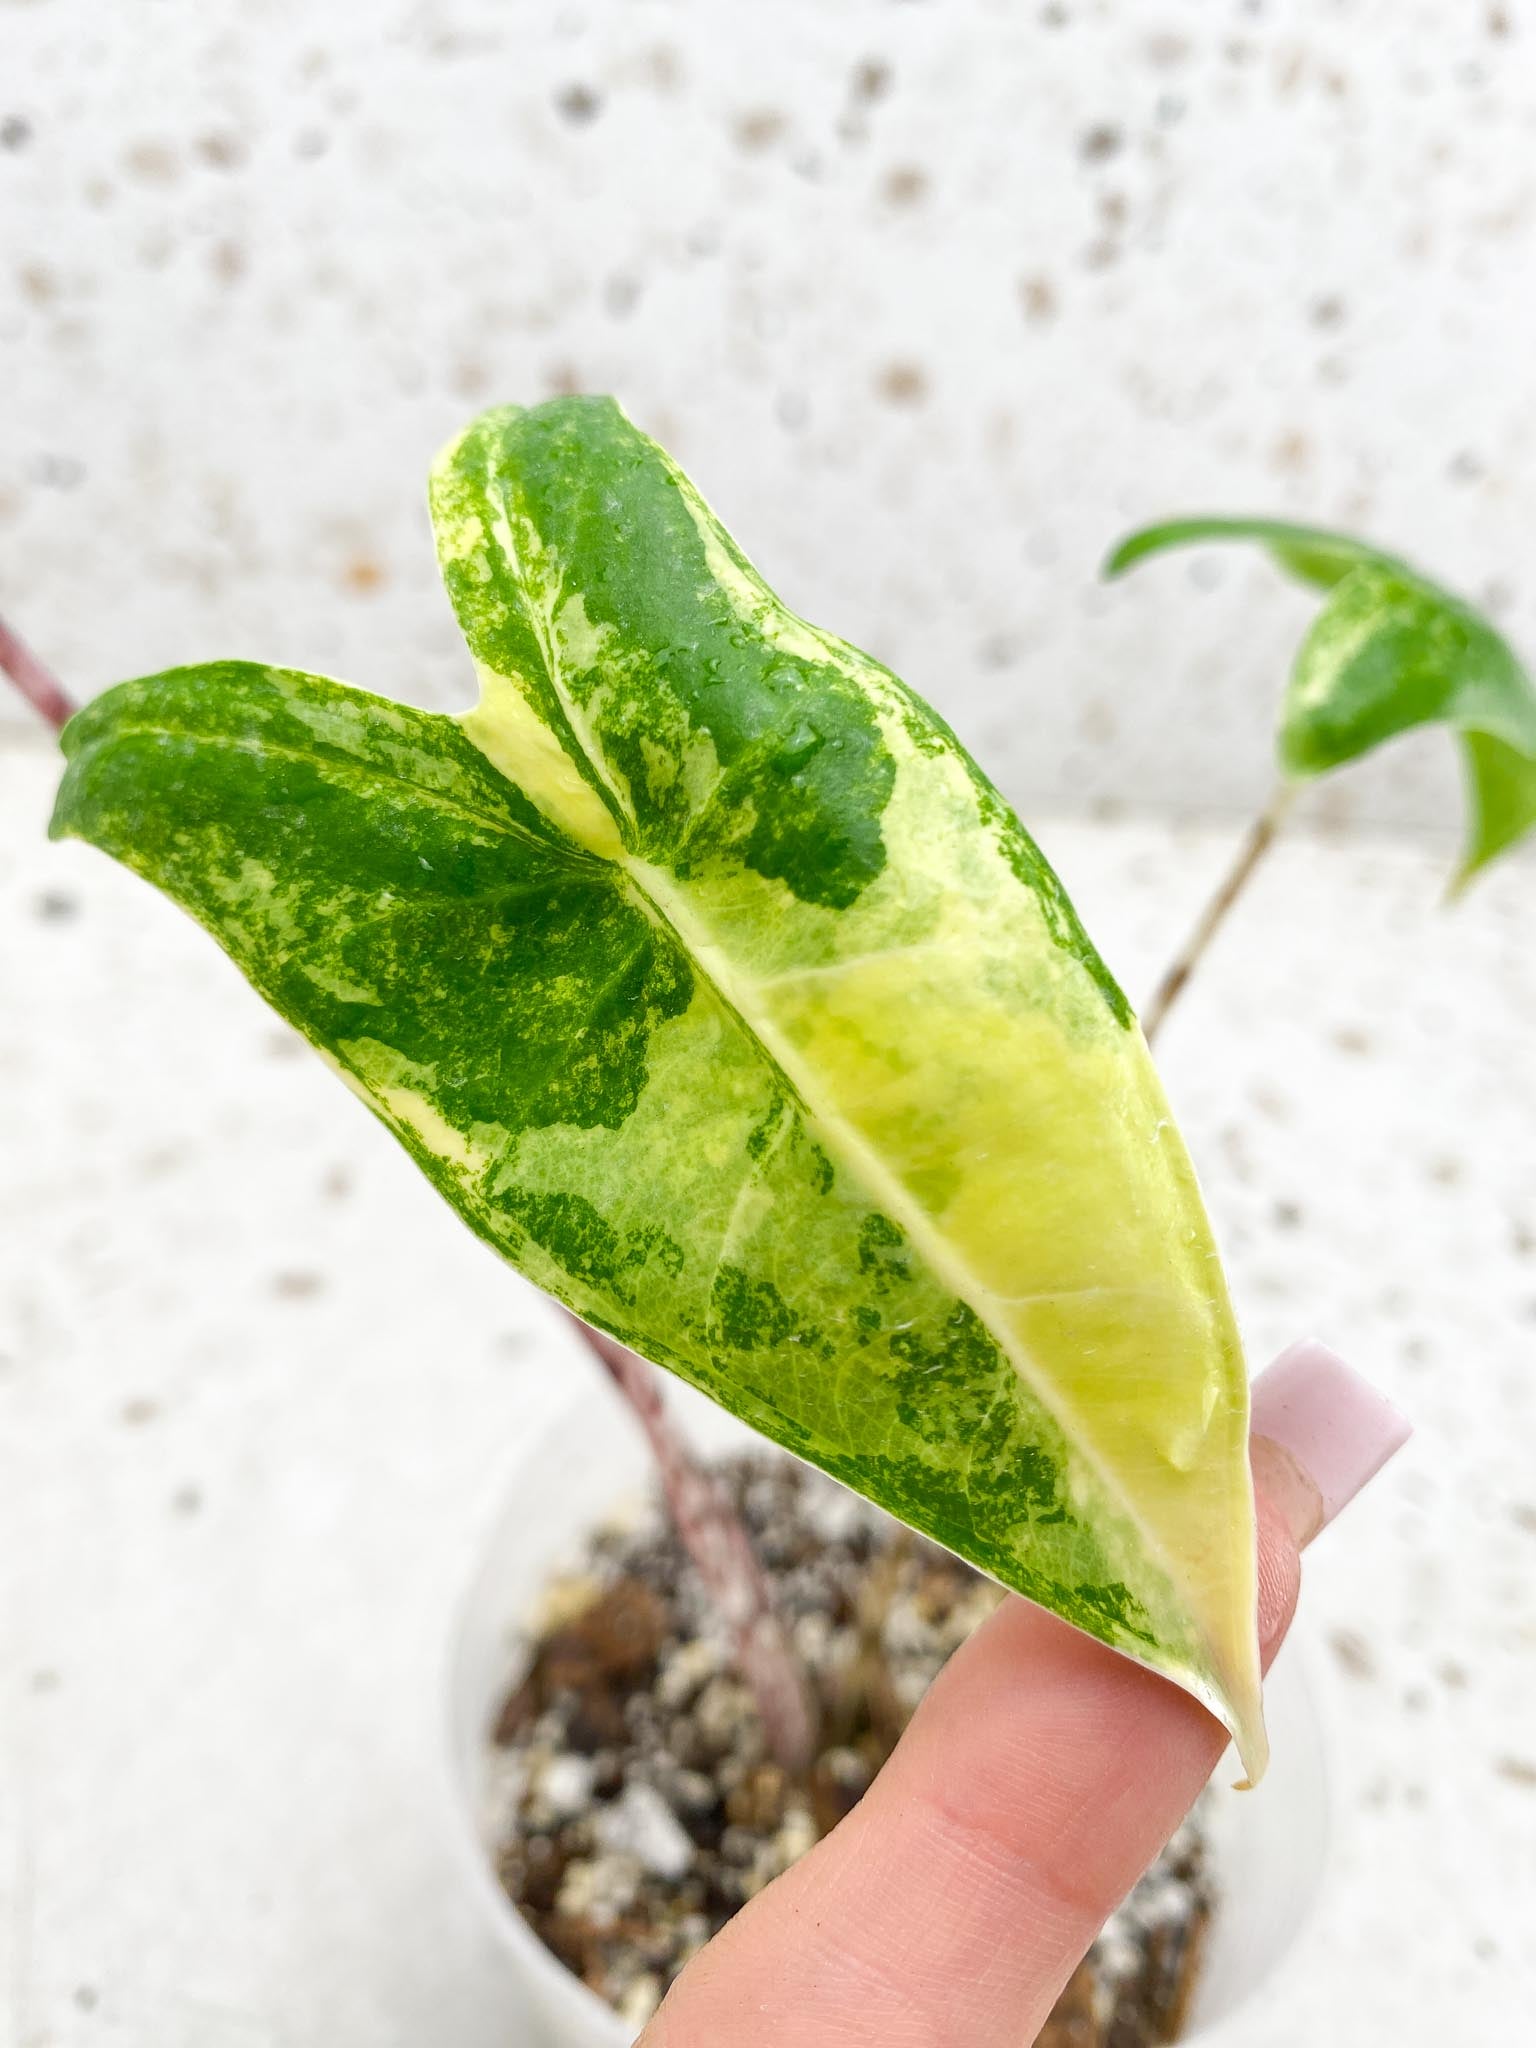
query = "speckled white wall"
{"x": 933, "y": 299}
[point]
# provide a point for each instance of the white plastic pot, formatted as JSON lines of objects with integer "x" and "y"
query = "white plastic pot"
{"x": 1270, "y": 1845}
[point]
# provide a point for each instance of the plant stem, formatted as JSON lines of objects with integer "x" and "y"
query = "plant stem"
{"x": 1256, "y": 842}
{"x": 36, "y": 682}
{"x": 712, "y": 1533}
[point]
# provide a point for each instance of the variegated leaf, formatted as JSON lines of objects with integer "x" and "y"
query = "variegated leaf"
{"x": 714, "y": 985}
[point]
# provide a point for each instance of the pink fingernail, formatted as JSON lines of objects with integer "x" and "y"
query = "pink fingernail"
{"x": 1331, "y": 1421}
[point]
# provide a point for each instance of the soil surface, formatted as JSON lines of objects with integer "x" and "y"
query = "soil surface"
{"x": 633, "y": 1806}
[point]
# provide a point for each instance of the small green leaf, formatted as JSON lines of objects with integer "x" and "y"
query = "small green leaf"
{"x": 1389, "y": 651}
{"x": 706, "y": 975}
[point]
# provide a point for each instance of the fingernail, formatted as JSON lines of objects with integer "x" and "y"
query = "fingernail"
{"x": 1322, "y": 1417}
{"x": 1287, "y": 1488}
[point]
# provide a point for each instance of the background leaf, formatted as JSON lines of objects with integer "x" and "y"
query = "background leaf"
{"x": 1310, "y": 553}
{"x": 1389, "y": 651}
{"x": 706, "y": 975}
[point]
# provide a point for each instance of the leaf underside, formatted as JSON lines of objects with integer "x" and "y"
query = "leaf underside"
{"x": 1389, "y": 651}
{"x": 705, "y": 974}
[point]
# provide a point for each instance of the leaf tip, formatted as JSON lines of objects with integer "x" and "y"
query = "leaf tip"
{"x": 1466, "y": 873}
{"x": 1124, "y": 555}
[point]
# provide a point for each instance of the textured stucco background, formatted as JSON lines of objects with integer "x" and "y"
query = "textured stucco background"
{"x": 933, "y": 299}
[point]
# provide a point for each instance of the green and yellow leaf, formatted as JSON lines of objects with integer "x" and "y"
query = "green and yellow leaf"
{"x": 1389, "y": 651}
{"x": 705, "y": 974}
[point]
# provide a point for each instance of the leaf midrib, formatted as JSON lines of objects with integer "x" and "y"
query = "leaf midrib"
{"x": 653, "y": 888}
{"x": 708, "y": 957}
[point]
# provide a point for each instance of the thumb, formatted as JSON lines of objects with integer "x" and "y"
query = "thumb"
{"x": 1039, "y": 1777}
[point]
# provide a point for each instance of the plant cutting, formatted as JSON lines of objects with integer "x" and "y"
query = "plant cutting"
{"x": 1388, "y": 651}
{"x": 710, "y": 980}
